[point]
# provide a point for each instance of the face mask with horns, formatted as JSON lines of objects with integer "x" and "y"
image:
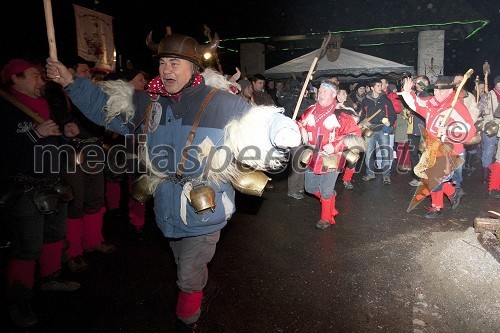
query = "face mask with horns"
{"x": 181, "y": 46}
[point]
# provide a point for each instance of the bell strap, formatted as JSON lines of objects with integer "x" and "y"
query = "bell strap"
{"x": 192, "y": 133}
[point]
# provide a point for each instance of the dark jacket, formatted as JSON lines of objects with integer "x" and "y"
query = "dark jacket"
{"x": 22, "y": 150}
{"x": 371, "y": 105}
{"x": 63, "y": 111}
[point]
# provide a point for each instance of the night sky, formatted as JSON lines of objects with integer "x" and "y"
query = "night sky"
{"x": 24, "y": 34}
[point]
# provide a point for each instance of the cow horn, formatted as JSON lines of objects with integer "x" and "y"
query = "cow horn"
{"x": 149, "y": 42}
{"x": 212, "y": 46}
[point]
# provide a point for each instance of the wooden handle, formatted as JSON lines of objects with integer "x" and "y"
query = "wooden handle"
{"x": 486, "y": 89}
{"x": 306, "y": 81}
{"x": 301, "y": 96}
{"x": 477, "y": 88}
{"x": 455, "y": 98}
{"x": 373, "y": 115}
{"x": 32, "y": 114}
{"x": 51, "y": 36}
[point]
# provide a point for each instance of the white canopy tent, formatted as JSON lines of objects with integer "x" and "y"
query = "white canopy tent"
{"x": 350, "y": 65}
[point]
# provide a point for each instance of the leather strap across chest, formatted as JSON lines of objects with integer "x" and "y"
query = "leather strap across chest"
{"x": 192, "y": 132}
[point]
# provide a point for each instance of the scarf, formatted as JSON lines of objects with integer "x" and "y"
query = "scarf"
{"x": 39, "y": 105}
{"x": 321, "y": 112}
{"x": 155, "y": 87}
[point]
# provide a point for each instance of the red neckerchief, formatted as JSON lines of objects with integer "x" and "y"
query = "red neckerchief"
{"x": 321, "y": 112}
{"x": 39, "y": 105}
{"x": 155, "y": 87}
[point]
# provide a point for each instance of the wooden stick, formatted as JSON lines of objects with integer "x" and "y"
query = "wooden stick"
{"x": 455, "y": 98}
{"x": 32, "y": 114}
{"x": 494, "y": 213}
{"x": 51, "y": 36}
{"x": 477, "y": 88}
{"x": 306, "y": 81}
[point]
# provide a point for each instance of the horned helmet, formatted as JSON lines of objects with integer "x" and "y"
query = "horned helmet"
{"x": 181, "y": 46}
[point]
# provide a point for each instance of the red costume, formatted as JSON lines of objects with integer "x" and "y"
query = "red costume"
{"x": 459, "y": 126}
{"x": 322, "y": 126}
{"x": 459, "y": 129}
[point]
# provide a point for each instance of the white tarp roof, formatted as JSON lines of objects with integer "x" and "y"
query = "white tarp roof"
{"x": 351, "y": 64}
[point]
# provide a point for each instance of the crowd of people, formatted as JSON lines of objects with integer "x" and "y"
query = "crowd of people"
{"x": 64, "y": 119}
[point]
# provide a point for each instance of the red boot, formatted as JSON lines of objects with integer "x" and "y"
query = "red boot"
{"x": 494, "y": 184}
{"x": 20, "y": 273}
{"x": 437, "y": 205}
{"x": 188, "y": 306}
{"x": 347, "y": 178}
{"x": 328, "y": 212}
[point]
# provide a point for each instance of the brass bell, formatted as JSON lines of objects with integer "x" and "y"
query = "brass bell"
{"x": 202, "y": 198}
{"x": 491, "y": 128}
{"x": 330, "y": 163}
{"x": 422, "y": 145}
{"x": 80, "y": 157}
{"x": 64, "y": 190}
{"x": 475, "y": 139}
{"x": 351, "y": 156}
{"x": 251, "y": 182}
{"x": 47, "y": 201}
{"x": 305, "y": 156}
{"x": 141, "y": 191}
{"x": 479, "y": 124}
{"x": 367, "y": 132}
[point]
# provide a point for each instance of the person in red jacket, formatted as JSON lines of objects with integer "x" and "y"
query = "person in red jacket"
{"x": 459, "y": 128}
{"x": 330, "y": 133}
{"x": 388, "y": 89}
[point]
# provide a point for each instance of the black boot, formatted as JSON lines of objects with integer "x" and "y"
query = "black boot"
{"x": 486, "y": 173}
{"x": 469, "y": 164}
{"x": 181, "y": 327}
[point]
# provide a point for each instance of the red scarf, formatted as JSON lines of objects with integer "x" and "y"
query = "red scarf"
{"x": 321, "y": 112}
{"x": 155, "y": 87}
{"x": 39, "y": 105}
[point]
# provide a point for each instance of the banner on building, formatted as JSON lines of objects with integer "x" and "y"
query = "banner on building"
{"x": 94, "y": 34}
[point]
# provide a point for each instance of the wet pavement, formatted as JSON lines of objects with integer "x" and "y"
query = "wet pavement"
{"x": 274, "y": 271}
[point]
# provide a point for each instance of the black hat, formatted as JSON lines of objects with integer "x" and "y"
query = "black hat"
{"x": 443, "y": 82}
{"x": 496, "y": 80}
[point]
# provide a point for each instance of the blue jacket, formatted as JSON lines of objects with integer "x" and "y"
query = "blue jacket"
{"x": 166, "y": 143}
